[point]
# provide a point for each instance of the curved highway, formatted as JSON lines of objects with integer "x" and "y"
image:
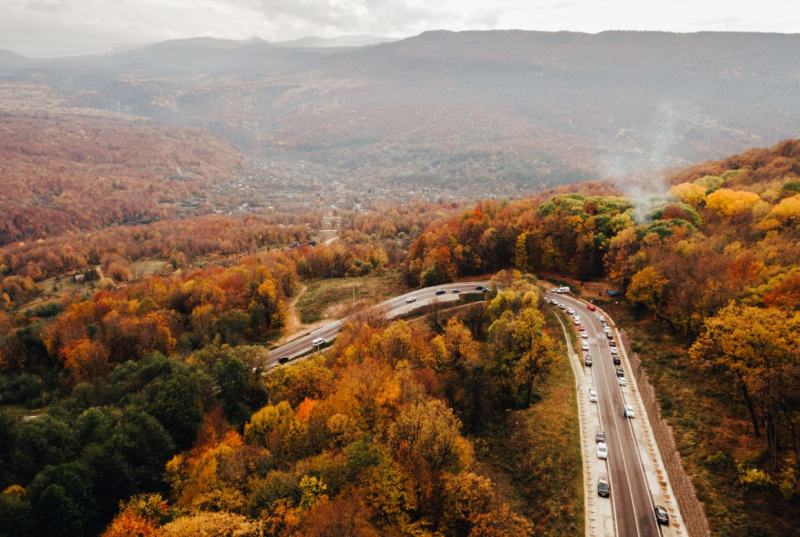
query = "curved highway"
{"x": 395, "y": 307}
{"x": 632, "y": 503}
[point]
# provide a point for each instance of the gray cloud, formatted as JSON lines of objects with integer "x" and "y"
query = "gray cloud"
{"x": 717, "y": 22}
{"x": 485, "y": 20}
{"x": 48, "y": 6}
{"x": 64, "y": 27}
{"x": 356, "y": 16}
{"x": 562, "y": 5}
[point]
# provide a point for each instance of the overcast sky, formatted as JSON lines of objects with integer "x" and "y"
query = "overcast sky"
{"x": 64, "y": 27}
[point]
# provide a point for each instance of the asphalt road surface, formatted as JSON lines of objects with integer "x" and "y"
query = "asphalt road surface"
{"x": 395, "y": 306}
{"x": 631, "y": 501}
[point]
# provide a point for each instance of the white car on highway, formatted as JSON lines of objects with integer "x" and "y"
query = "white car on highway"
{"x": 584, "y": 335}
{"x": 570, "y": 311}
{"x": 622, "y": 381}
{"x": 602, "y": 450}
{"x": 318, "y": 341}
{"x": 628, "y": 412}
{"x": 411, "y": 299}
{"x": 577, "y": 321}
{"x": 585, "y": 346}
{"x": 592, "y": 395}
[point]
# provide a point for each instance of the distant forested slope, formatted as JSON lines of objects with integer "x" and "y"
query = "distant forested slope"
{"x": 69, "y": 172}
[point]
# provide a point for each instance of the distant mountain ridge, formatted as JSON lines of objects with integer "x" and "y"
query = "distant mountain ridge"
{"x": 496, "y": 110}
{"x": 342, "y": 41}
{"x": 8, "y": 56}
{"x": 199, "y": 45}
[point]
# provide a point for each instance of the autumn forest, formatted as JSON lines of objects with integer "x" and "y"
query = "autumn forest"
{"x": 150, "y": 268}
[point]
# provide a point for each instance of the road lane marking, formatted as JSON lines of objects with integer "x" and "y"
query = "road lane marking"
{"x": 621, "y": 445}
{"x": 633, "y": 436}
{"x": 573, "y": 356}
{"x": 622, "y": 456}
{"x": 611, "y": 495}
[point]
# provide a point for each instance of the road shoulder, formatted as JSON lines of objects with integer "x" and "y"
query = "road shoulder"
{"x": 599, "y": 514}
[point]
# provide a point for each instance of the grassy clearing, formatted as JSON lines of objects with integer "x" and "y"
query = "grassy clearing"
{"x": 56, "y": 288}
{"x": 148, "y": 266}
{"x": 534, "y": 455}
{"x": 712, "y": 432}
{"x": 332, "y": 298}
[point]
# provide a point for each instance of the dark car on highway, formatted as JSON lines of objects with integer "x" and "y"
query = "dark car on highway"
{"x": 283, "y": 359}
{"x": 661, "y": 516}
{"x": 600, "y": 436}
{"x": 616, "y": 360}
{"x": 620, "y": 372}
{"x": 587, "y": 360}
{"x": 440, "y": 291}
{"x": 456, "y": 290}
{"x": 603, "y": 488}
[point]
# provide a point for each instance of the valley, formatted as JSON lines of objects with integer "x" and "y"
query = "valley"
{"x": 459, "y": 284}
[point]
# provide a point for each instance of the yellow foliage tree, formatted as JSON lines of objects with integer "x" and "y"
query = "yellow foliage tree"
{"x": 460, "y": 347}
{"x": 212, "y": 525}
{"x": 787, "y": 212}
{"x": 139, "y": 517}
{"x": 726, "y": 202}
{"x": 757, "y": 350}
{"x": 690, "y": 193}
{"x": 269, "y": 427}
{"x": 430, "y": 431}
{"x": 647, "y": 288}
{"x": 197, "y": 480}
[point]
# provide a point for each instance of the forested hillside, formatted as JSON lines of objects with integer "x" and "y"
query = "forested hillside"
{"x": 64, "y": 172}
{"x": 369, "y": 440}
{"x": 143, "y": 404}
{"x": 718, "y": 263}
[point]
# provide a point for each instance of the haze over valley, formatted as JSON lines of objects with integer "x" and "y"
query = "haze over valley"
{"x": 467, "y": 114}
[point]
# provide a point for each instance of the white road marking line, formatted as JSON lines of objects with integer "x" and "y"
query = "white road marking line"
{"x": 624, "y": 464}
{"x": 636, "y": 444}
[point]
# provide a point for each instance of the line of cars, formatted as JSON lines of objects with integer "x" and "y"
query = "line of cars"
{"x": 320, "y": 341}
{"x": 440, "y": 292}
{"x": 603, "y": 484}
{"x": 316, "y": 343}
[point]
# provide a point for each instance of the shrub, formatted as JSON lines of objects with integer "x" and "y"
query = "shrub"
{"x": 753, "y": 478}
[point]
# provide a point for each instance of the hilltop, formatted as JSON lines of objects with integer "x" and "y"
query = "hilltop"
{"x": 482, "y": 113}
